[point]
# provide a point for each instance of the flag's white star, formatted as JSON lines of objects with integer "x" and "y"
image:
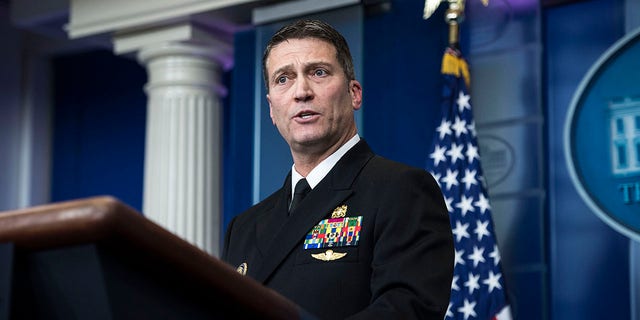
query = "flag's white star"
{"x": 460, "y": 127}
{"x": 468, "y": 309}
{"x": 493, "y": 281}
{"x": 463, "y": 101}
{"x": 449, "y": 202}
{"x": 454, "y": 283}
{"x": 469, "y": 178}
{"x": 444, "y": 128}
{"x": 455, "y": 152}
{"x": 482, "y": 203}
{"x": 472, "y": 153}
{"x": 451, "y": 179}
{"x": 477, "y": 256}
{"x": 460, "y": 231}
{"x": 495, "y": 255}
{"x": 472, "y": 283}
{"x": 465, "y": 205}
{"x": 438, "y": 155}
{"x": 472, "y": 128}
{"x": 482, "y": 229}
{"x": 458, "y": 258}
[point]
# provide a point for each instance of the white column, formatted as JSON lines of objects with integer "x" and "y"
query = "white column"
{"x": 183, "y": 144}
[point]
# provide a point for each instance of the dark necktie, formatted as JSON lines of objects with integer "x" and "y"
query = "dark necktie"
{"x": 301, "y": 190}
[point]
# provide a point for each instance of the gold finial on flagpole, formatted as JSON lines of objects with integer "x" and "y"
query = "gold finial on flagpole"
{"x": 453, "y": 16}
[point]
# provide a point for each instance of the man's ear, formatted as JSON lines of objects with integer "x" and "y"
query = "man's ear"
{"x": 270, "y": 110}
{"x": 355, "y": 90}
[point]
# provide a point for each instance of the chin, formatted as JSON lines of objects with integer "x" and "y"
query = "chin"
{"x": 308, "y": 139}
{"x": 308, "y": 143}
{"x": 305, "y": 143}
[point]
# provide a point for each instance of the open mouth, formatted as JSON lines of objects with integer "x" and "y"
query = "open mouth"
{"x": 305, "y": 114}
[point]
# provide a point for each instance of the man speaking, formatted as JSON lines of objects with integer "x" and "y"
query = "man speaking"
{"x": 350, "y": 234}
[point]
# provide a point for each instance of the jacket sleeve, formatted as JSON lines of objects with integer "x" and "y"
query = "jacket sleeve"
{"x": 413, "y": 254}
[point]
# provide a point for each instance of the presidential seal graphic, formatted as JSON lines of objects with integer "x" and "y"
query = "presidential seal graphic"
{"x": 602, "y": 137}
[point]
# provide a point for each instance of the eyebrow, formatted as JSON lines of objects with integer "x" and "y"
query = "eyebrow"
{"x": 307, "y": 66}
{"x": 280, "y": 70}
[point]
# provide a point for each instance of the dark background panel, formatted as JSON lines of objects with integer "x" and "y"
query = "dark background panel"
{"x": 99, "y": 127}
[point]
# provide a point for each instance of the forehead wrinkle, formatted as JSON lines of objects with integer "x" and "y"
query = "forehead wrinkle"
{"x": 303, "y": 48}
{"x": 282, "y": 69}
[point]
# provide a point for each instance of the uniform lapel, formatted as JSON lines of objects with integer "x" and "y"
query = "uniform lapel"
{"x": 331, "y": 192}
{"x": 272, "y": 221}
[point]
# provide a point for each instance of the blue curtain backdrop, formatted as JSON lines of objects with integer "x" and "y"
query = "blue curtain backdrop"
{"x": 238, "y": 131}
{"x": 99, "y": 118}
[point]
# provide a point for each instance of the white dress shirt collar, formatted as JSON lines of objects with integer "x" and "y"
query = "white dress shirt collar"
{"x": 322, "y": 169}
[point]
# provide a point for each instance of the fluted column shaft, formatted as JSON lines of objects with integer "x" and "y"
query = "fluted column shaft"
{"x": 182, "y": 157}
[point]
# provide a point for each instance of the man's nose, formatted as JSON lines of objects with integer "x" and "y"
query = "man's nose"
{"x": 303, "y": 91}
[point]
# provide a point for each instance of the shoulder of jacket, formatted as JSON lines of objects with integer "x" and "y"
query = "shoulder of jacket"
{"x": 394, "y": 168}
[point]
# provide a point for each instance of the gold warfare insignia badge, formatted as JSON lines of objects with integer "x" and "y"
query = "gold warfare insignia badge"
{"x": 339, "y": 212}
{"x": 329, "y": 255}
{"x": 242, "y": 269}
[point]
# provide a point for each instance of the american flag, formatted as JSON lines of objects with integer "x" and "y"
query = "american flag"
{"x": 477, "y": 289}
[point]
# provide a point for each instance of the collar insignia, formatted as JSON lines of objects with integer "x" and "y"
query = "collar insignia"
{"x": 329, "y": 255}
{"x": 242, "y": 269}
{"x": 339, "y": 212}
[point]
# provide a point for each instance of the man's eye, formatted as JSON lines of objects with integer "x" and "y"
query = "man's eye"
{"x": 281, "y": 80}
{"x": 320, "y": 73}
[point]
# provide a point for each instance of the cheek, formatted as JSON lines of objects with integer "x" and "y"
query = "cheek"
{"x": 278, "y": 116}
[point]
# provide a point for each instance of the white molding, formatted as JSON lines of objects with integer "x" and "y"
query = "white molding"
{"x": 182, "y": 32}
{"x": 92, "y": 17}
{"x": 296, "y": 8}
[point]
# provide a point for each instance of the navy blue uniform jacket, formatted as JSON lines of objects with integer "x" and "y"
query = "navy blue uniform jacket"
{"x": 401, "y": 267}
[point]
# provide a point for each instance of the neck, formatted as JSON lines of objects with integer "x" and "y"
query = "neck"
{"x": 304, "y": 164}
{"x": 305, "y": 159}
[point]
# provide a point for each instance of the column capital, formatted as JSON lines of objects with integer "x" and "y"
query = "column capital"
{"x": 191, "y": 66}
{"x": 176, "y": 39}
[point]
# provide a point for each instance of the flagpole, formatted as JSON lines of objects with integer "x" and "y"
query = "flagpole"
{"x": 478, "y": 286}
{"x": 454, "y": 16}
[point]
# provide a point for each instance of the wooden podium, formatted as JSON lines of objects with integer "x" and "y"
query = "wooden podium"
{"x": 100, "y": 259}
